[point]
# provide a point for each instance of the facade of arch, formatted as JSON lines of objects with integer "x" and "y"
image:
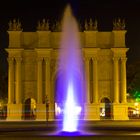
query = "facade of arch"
{"x": 33, "y": 67}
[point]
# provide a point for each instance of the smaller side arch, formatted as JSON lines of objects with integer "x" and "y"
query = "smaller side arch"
{"x": 29, "y": 109}
{"x": 106, "y": 108}
{"x": 102, "y": 97}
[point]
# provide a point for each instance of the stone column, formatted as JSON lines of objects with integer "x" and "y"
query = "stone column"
{"x": 95, "y": 80}
{"x": 11, "y": 80}
{"x": 116, "y": 80}
{"x": 47, "y": 78}
{"x": 50, "y": 107}
{"x": 87, "y": 80}
{"x": 18, "y": 80}
{"x": 123, "y": 80}
{"x": 39, "y": 80}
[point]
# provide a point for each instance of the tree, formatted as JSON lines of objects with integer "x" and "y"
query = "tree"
{"x": 4, "y": 86}
{"x": 133, "y": 80}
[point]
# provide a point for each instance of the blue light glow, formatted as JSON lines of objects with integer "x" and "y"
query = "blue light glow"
{"x": 69, "y": 83}
{"x": 71, "y": 111}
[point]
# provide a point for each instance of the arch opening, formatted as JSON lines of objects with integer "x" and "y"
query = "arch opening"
{"x": 106, "y": 108}
{"x": 29, "y": 112}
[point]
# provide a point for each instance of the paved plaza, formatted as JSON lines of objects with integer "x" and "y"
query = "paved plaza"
{"x": 101, "y": 130}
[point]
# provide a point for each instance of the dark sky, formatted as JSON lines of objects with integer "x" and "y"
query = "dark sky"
{"x": 30, "y": 11}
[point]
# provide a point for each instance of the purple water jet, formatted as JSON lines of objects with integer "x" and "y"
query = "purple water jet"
{"x": 70, "y": 84}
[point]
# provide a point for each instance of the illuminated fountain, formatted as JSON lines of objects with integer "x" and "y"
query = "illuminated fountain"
{"x": 70, "y": 84}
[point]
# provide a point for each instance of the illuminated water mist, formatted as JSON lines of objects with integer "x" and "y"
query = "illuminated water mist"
{"x": 71, "y": 111}
{"x": 70, "y": 83}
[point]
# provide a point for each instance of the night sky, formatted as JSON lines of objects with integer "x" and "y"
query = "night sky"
{"x": 30, "y": 11}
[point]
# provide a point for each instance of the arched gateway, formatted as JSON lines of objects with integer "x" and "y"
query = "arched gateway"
{"x": 33, "y": 57}
{"x": 106, "y": 108}
{"x": 29, "y": 109}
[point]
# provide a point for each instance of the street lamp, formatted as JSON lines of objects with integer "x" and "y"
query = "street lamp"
{"x": 0, "y": 105}
{"x": 137, "y": 109}
{"x": 47, "y": 107}
{"x": 1, "y": 109}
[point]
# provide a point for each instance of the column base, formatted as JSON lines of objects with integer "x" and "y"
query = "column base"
{"x": 120, "y": 111}
{"x": 14, "y": 112}
{"x": 41, "y": 112}
{"x": 51, "y": 112}
{"x": 92, "y": 111}
{"x": 44, "y": 112}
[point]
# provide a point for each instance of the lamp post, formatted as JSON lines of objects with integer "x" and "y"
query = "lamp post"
{"x": 47, "y": 108}
{"x": 137, "y": 109}
{"x": 1, "y": 109}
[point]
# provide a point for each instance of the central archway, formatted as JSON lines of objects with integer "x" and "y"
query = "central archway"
{"x": 106, "y": 109}
{"x": 29, "y": 109}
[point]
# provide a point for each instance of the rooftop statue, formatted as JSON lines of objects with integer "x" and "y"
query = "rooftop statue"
{"x": 123, "y": 24}
{"x": 47, "y": 26}
{"x": 86, "y": 25}
{"x": 10, "y": 25}
{"x": 95, "y": 25}
{"x": 118, "y": 24}
{"x": 90, "y": 26}
{"x": 43, "y": 26}
{"x": 80, "y": 27}
{"x": 18, "y": 25}
{"x": 15, "y": 25}
{"x": 58, "y": 26}
{"x": 39, "y": 26}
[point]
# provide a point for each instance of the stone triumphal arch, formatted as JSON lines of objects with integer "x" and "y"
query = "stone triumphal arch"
{"x": 33, "y": 61}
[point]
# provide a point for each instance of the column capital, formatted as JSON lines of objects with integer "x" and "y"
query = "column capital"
{"x": 39, "y": 59}
{"x": 10, "y": 59}
{"x": 124, "y": 59}
{"x": 94, "y": 58}
{"x": 87, "y": 59}
{"x": 116, "y": 58}
{"x": 18, "y": 59}
{"x": 46, "y": 59}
